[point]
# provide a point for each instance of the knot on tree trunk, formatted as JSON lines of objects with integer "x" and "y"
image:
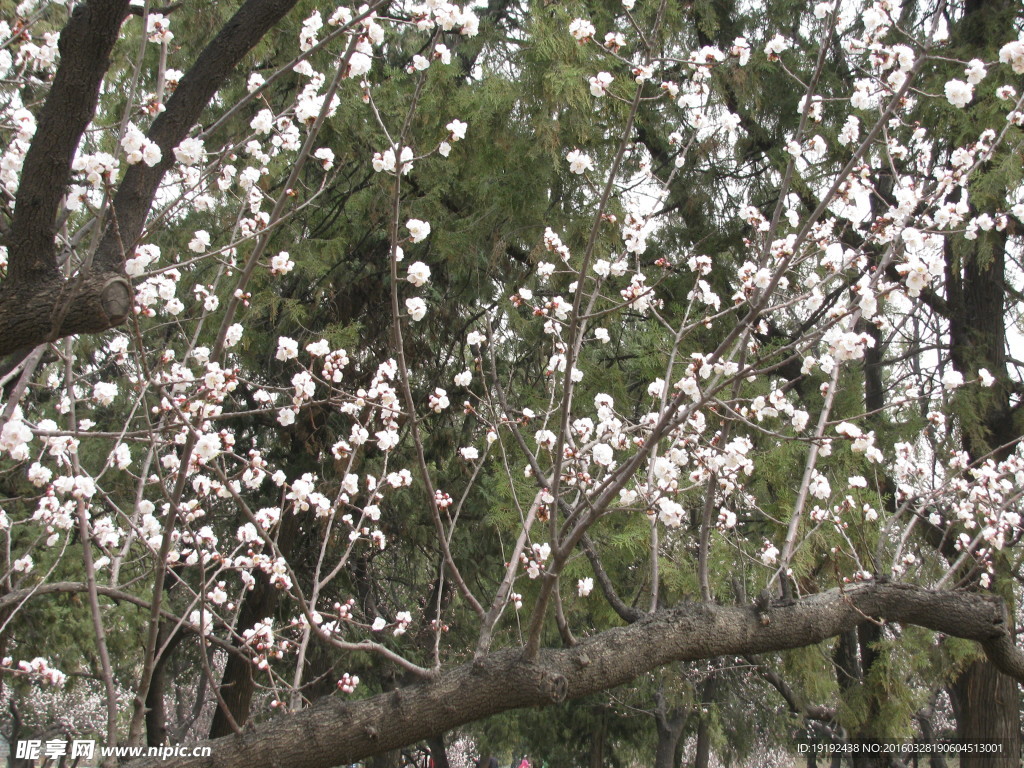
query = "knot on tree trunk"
{"x": 556, "y": 688}
{"x": 116, "y": 299}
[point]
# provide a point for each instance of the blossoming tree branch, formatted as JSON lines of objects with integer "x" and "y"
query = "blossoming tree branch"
{"x": 371, "y": 370}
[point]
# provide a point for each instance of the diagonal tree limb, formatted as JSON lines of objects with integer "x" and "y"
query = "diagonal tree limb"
{"x": 185, "y": 106}
{"x": 85, "y": 45}
{"x": 627, "y": 613}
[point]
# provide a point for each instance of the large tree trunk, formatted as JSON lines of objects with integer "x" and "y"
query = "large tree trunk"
{"x": 156, "y": 709}
{"x": 665, "y": 751}
{"x": 237, "y": 684}
{"x": 924, "y": 722}
{"x": 438, "y": 751}
{"x": 985, "y": 701}
{"x": 392, "y": 759}
{"x": 598, "y": 743}
{"x": 17, "y": 734}
{"x": 976, "y": 293}
{"x": 36, "y": 304}
{"x": 853, "y": 658}
{"x": 988, "y": 706}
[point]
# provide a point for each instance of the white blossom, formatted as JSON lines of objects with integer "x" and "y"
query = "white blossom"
{"x": 287, "y": 348}
{"x": 975, "y": 71}
{"x": 326, "y": 157}
{"x": 579, "y": 162}
{"x": 418, "y": 230}
{"x": 959, "y": 93}
{"x": 599, "y": 83}
{"x": 777, "y": 45}
{"x": 200, "y": 241}
{"x": 416, "y": 307}
{"x": 456, "y": 130}
{"x": 1013, "y": 54}
{"x": 281, "y": 264}
{"x": 951, "y": 379}
{"x": 603, "y": 454}
{"x": 418, "y": 274}
{"x": 582, "y": 30}
{"x": 263, "y": 122}
{"x": 104, "y": 392}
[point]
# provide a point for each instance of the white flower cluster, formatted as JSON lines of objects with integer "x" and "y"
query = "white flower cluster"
{"x": 348, "y": 683}
{"x": 582, "y": 30}
{"x": 389, "y": 160}
{"x": 1013, "y": 54}
{"x": 190, "y": 152}
{"x": 138, "y": 148}
{"x": 39, "y": 57}
{"x": 923, "y": 260}
{"x": 861, "y": 442}
{"x": 99, "y": 168}
{"x": 158, "y": 28}
{"x": 446, "y": 16}
{"x": 599, "y": 83}
{"x": 535, "y": 560}
{"x": 15, "y": 437}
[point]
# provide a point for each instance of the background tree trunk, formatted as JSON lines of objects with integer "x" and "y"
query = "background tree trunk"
{"x": 237, "y": 684}
{"x": 988, "y": 704}
{"x": 985, "y": 703}
{"x": 438, "y": 751}
{"x": 709, "y": 694}
{"x": 598, "y": 743}
{"x": 670, "y": 725}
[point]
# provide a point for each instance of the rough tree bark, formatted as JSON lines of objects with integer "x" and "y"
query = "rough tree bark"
{"x": 984, "y": 702}
{"x": 438, "y": 751}
{"x": 338, "y": 731}
{"x": 853, "y": 659}
{"x": 598, "y": 743}
{"x": 156, "y": 707}
{"x": 36, "y": 303}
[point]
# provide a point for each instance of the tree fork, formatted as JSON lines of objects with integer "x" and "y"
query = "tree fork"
{"x": 36, "y": 306}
